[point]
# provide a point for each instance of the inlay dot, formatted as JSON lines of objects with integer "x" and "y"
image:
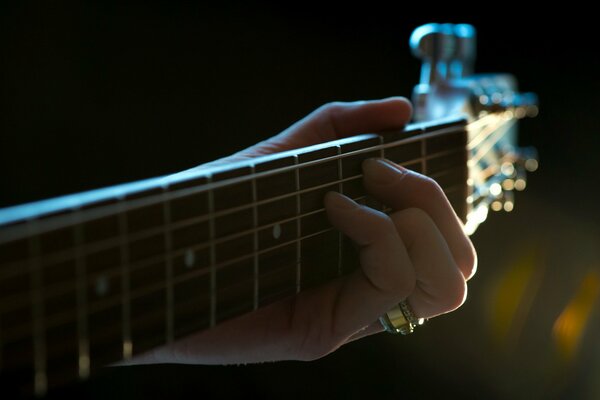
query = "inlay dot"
{"x": 276, "y": 231}
{"x": 189, "y": 258}
{"x": 102, "y": 285}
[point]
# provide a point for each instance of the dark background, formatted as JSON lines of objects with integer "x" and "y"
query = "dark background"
{"x": 95, "y": 94}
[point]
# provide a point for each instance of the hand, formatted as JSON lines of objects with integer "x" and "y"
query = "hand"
{"x": 419, "y": 252}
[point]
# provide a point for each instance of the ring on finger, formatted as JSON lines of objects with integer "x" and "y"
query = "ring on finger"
{"x": 400, "y": 319}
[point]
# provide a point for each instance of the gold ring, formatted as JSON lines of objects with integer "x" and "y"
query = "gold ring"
{"x": 400, "y": 319}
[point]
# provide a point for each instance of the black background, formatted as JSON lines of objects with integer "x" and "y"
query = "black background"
{"x": 95, "y": 94}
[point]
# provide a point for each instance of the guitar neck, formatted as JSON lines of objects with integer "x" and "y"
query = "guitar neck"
{"x": 90, "y": 279}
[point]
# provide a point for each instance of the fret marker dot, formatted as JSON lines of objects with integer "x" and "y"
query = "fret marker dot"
{"x": 189, "y": 258}
{"x": 102, "y": 285}
{"x": 277, "y": 231}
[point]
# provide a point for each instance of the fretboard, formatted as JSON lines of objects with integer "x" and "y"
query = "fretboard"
{"x": 90, "y": 279}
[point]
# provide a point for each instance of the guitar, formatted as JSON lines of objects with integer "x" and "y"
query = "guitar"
{"x": 96, "y": 277}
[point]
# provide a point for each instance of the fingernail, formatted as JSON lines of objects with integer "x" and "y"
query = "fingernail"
{"x": 339, "y": 201}
{"x": 381, "y": 171}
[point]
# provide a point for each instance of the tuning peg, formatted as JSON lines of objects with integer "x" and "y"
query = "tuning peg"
{"x": 435, "y": 45}
{"x": 463, "y": 59}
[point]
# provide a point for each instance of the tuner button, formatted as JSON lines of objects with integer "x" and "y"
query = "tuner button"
{"x": 465, "y": 51}
{"x": 435, "y": 45}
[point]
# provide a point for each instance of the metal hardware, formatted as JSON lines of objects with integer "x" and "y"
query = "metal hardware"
{"x": 448, "y": 87}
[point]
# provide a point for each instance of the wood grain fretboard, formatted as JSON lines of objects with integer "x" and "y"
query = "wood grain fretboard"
{"x": 89, "y": 279}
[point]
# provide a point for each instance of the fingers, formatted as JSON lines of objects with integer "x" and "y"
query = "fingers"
{"x": 386, "y": 275}
{"x": 337, "y": 120}
{"x": 440, "y": 286}
{"x": 400, "y": 189}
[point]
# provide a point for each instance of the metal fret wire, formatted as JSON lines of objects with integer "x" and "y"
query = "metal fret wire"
{"x": 108, "y": 210}
{"x": 301, "y": 216}
{"x": 60, "y": 319}
{"x": 111, "y": 209}
{"x": 54, "y": 258}
{"x": 139, "y": 264}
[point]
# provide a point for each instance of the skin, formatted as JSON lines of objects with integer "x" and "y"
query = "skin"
{"x": 419, "y": 252}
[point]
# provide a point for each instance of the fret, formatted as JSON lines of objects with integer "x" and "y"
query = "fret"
{"x": 449, "y": 123}
{"x": 298, "y": 225}
{"x": 166, "y": 208}
{"x": 190, "y": 260}
{"x": 278, "y": 210}
{"x": 275, "y": 234}
{"x": 255, "y": 243}
{"x": 16, "y": 350}
{"x": 190, "y": 206}
{"x": 148, "y": 325}
{"x": 320, "y": 258}
{"x": 106, "y": 326}
{"x": 192, "y": 302}
{"x": 446, "y": 142}
{"x": 100, "y": 229}
{"x": 277, "y": 184}
{"x": 278, "y": 273}
{"x": 395, "y": 135}
{"x": 370, "y": 201}
{"x": 190, "y": 235}
{"x": 57, "y": 240}
{"x": 314, "y": 223}
{"x": 269, "y": 214}
{"x": 40, "y": 381}
{"x": 321, "y": 173}
{"x": 13, "y": 252}
{"x": 213, "y": 258}
{"x": 60, "y": 311}
{"x": 62, "y": 344}
{"x": 107, "y": 288}
{"x": 234, "y": 248}
{"x": 340, "y": 246}
{"x": 236, "y": 289}
{"x": 443, "y": 162}
{"x": 352, "y": 165}
{"x": 405, "y": 152}
{"x": 234, "y": 195}
{"x": 141, "y": 219}
{"x": 354, "y": 188}
{"x": 148, "y": 291}
{"x": 125, "y": 284}
{"x": 234, "y": 222}
{"x": 81, "y": 304}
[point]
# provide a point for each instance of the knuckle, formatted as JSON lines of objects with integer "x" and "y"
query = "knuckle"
{"x": 456, "y": 294}
{"x": 432, "y": 188}
{"x": 329, "y": 110}
{"x": 379, "y": 224}
{"x": 467, "y": 260}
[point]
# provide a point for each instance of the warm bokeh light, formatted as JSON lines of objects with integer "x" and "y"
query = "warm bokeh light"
{"x": 512, "y": 298}
{"x": 570, "y": 325}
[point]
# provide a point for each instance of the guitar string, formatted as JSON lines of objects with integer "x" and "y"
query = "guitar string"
{"x": 184, "y": 277}
{"x": 99, "y": 305}
{"x": 172, "y": 253}
{"x": 56, "y": 222}
{"x": 59, "y": 288}
{"x": 16, "y": 266}
{"x": 140, "y": 263}
{"x": 60, "y": 319}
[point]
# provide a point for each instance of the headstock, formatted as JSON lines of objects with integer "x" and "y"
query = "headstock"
{"x": 491, "y": 103}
